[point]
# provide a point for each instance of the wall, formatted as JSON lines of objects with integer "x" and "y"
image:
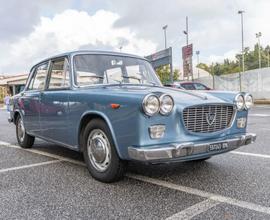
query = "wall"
{"x": 256, "y": 82}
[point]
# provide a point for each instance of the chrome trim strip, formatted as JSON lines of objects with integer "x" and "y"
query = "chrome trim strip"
{"x": 183, "y": 151}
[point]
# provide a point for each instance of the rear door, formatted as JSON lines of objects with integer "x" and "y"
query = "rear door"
{"x": 29, "y": 101}
{"x": 54, "y": 114}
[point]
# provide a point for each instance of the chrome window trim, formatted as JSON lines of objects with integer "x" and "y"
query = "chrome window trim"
{"x": 67, "y": 61}
{"x": 33, "y": 74}
{"x": 102, "y": 53}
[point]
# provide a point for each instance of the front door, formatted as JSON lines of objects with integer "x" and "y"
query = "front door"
{"x": 30, "y": 99}
{"x": 54, "y": 113}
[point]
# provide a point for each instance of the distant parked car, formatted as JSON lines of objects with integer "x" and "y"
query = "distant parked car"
{"x": 113, "y": 108}
{"x": 188, "y": 86}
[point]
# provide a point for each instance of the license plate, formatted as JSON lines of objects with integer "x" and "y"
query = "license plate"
{"x": 218, "y": 146}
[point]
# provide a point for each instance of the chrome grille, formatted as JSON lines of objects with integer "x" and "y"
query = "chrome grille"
{"x": 197, "y": 118}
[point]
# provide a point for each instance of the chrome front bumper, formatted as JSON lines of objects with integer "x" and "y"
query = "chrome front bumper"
{"x": 188, "y": 150}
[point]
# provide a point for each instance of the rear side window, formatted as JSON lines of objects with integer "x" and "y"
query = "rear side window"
{"x": 38, "y": 80}
{"x": 199, "y": 86}
{"x": 188, "y": 86}
{"x": 59, "y": 77}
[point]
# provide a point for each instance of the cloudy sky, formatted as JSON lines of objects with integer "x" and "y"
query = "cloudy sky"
{"x": 31, "y": 30}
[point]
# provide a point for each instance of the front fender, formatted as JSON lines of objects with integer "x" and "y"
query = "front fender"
{"x": 108, "y": 122}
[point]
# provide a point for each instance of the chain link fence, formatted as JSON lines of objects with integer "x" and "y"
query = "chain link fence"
{"x": 256, "y": 82}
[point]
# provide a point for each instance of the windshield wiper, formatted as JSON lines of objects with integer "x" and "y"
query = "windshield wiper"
{"x": 132, "y": 77}
{"x": 99, "y": 77}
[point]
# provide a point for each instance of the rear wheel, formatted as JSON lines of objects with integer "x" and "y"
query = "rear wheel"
{"x": 100, "y": 154}
{"x": 24, "y": 140}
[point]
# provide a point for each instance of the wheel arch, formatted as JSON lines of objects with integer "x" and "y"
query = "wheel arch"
{"x": 15, "y": 116}
{"x": 86, "y": 118}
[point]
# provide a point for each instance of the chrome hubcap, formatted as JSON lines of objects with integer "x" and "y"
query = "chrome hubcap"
{"x": 99, "y": 150}
{"x": 21, "y": 130}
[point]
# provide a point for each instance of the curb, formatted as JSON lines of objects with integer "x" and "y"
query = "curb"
{"x": 262, "y": 102}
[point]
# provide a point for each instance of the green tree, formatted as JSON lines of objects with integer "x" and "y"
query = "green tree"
{"x": 234, "y": 66}
{"x": 164, "y": 74}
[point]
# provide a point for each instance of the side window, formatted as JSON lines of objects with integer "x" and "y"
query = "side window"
{"x": 199, "y": 86}
{"x": 59, "y": 77}
{"x": 188, "y": 86}
{"x": 38, "y": 80}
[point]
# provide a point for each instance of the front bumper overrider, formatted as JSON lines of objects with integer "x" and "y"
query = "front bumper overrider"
{"x": 188, "y": 150}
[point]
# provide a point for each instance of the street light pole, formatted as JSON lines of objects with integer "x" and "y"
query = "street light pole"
{"x": 243, "y": 52}
{"x": 165, "y": 35}
{"x": 186, "y": 29}
{"x": 198, "y": 61}
{"x": 258, "y": 35}
{"x": 186, "y": 33}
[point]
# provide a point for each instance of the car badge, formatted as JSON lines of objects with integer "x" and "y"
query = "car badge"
{"x": 210, "y": 118}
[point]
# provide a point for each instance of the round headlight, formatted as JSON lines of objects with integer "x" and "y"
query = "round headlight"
{"x": 166, "y": 104}
{"x": 248, "y": 101}
{"x": 240, "y": 102}
{"x": 151, "y": 104}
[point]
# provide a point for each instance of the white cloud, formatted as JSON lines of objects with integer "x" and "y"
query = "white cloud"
{"x": 214, "y": 28}
{"x": 220, "y": 58}
{"x": 71, "y": 30}
{"x": 214, "y": 25}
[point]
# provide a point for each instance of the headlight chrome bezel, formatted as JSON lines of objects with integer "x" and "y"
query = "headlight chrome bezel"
{"x": 161, "y": 98}
{"x": 239, "y": 108}
{"x": 144, "y": 105}
{"x": 252, "y": 101}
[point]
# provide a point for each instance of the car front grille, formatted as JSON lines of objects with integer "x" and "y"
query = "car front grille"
{"x": 208, "y": 118}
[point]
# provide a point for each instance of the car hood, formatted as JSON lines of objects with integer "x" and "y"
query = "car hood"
{"x": 181, "y": 97}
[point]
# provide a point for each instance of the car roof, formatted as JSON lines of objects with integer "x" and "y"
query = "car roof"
{"x": 97, "y": 52}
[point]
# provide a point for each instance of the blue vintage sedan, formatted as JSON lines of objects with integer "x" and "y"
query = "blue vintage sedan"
{"x": 113, "y": 108}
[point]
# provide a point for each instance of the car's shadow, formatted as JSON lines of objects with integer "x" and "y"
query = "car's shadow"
{"x": 165, "y": 170}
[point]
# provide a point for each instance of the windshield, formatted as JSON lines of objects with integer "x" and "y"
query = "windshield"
{"x": 108, "y": 69}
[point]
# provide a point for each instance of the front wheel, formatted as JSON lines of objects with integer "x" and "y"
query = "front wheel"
{"x": 24, "y": 140}
{"x": 100, "y": 154}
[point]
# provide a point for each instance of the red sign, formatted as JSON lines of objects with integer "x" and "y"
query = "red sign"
{"x": 187, "y": 51}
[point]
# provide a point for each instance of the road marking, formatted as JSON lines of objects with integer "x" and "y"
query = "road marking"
{"x": 201, "y": 193}
{"x": 162, "y": 183}
{"x": 251, "y": 154}
{"x": 194, "y": 210}
{"x": 43, "y": 153}
{"x": 83, "y": 164}
{"x": 29, "y": 166}
{"x": 259, "y": 115}
{"x": 261, "y": 106}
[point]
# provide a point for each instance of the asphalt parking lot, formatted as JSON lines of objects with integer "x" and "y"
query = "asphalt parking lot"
{"x": 51, "y": 182}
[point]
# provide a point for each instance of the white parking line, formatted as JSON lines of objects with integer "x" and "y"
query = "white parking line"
{"x": 29, "y": 166}
{"x": 251, "y": 154}
{"x": 43, "y": 153}
{"x": 194, "y": 210}
{"x": 162, "y": 183}
{"x": 201, "y": 193}
{"x": 262, "y": 106}
{"x": 259, "y": 115}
